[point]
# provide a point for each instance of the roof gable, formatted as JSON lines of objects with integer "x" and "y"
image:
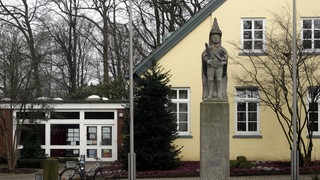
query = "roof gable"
{"x": 177, "y": 36}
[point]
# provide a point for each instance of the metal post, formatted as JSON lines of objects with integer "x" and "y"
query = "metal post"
{"x": 294, "y": 158}
{"x": 132, "y": 164}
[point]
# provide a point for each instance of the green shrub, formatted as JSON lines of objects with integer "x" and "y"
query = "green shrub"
{"x": 30, "y": 163}
{"x": 65, "y": 159}
{"x": 234, "y": 163}
{"x": 3, "y": 160}
{"x": 241, "y": 159}
{"x": 245, "y": 164}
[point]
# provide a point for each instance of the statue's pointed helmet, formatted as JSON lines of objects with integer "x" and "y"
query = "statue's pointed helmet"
{"x": 215, "y": 28}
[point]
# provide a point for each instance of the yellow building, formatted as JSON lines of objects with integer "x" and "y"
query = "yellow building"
{"x": 262, "y": 138}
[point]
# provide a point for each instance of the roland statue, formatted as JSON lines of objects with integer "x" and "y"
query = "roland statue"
{"x": 214, "y": 66}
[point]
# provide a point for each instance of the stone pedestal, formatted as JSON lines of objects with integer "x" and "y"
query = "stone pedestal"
{"x": 214, "y": 140}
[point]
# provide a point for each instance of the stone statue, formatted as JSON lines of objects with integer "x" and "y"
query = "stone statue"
{"x": 214, "y": 66}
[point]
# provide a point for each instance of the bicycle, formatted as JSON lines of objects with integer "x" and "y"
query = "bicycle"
{"x": 77, "y": 171}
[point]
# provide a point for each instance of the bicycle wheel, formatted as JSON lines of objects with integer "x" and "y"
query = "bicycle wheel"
{"x": 103, "y": 173}
{"x": 70, "y": 174}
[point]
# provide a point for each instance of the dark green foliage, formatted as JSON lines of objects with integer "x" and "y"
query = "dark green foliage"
{"x": 241, "y": 162}
{"x": 245, "y": 164}
{"x": 3, "y": 160}
{"x": 234, "y": 163}
{"x": 31, "y": 144}
{"x": 154, "y": 126}
{"x": 30, "y": 163}
{"x": 241, "y": 158}
{"x": 115, "y": 90}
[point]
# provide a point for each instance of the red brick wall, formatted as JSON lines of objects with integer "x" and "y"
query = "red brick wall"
{"x": 5, "y": 127}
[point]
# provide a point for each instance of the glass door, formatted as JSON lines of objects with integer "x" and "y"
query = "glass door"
{"x": 101, "y": 142}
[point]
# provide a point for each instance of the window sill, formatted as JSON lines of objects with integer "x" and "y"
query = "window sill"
{"x": 311, "y": 52}
{"x": 252, "y": 53}
{"x": 247, "y": 136}
{"x": 184, "y": 136}
{"x": 314, "y": 136}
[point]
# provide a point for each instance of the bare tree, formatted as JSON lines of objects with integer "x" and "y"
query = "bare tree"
{"x": 15, "y": 81}
{"x": 154, "y": 19}
{"x": 272, "y": 73}
{"x": 22, "y": 16}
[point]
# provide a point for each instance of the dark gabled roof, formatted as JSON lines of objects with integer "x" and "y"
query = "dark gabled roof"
{"x": 177, "y": 36}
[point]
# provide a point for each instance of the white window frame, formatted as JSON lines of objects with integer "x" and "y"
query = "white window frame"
{"x": 187, "y": 101}
{"x": 314, "y": 133}
{"x": 313, "y": 28}
{"x": 247, "y": 100}
{"x": 252, "y": 50}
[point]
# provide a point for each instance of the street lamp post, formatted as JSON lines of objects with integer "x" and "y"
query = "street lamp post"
{"x": 294, "y": 153}
{"x": 131, "y": 157}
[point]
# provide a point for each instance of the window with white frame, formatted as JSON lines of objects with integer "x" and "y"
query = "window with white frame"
{"x": 311, "y": 34}
{"x": 313, "y": 115}
{"x": 252, "y": 35}
{"x": 180, "y": 109}
{"x": 247, "y": 111}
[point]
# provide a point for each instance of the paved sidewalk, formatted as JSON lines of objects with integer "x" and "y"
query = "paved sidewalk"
{"x": 278, "y": 177}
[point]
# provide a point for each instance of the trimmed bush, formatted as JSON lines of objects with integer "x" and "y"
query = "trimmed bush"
{"x": 241, "y": 159}
{"x": 30, "y": 163}
{"x": 234, "y": 163}
{"x": 65, "y": 159}
{"x": 245, "y": 164}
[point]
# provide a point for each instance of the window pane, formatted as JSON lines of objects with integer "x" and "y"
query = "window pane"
{"x": 241, "y": 116}
{"x": 252, "y": 106}
{"x": 252, "y": 117}
{"x": 106, "y": 153}
{"x": 174, "y": 116}
{"x": 317, "y": 34}
{"x": 247, "y": 25}
{"x": 307, "y": 44}
{"x": 258, "y": 24}
{"x": 257, "y": 44}
{"x": 174, "y": 107}
{"x": 65, "y": 115}
{"x": 258, "y": 34}
{"x": 183, "y": 127}
{"x": 241, "y": 127}
{"x": 183, "y": 107}
{"x": 316, "y": 127}
{"x": 307, "y": 34}
{"x": 31, "y": 115}
{"x": 317, "y": 23}
{"x": 64, "y": 134}
{"x": 247, "y": 45}
{"x": 92, "y": 135}
{"x": 173, "y": 94}
{"x": 313, "y": 106}
{"x": 99, "y": 115}
{"x": 247, "y": 35}
{"x": 252, "y": 126}
{"x": 241, "y": 107}
{"x": 106, "y": 135}
{"x": 317, "y": 44}
{"x": 313, "y": 117}
{"x": 307, "y": 24}
{"x": 91, "y": 153}
{"x": 183, "y": 94}
{"x": 183, "y": 117}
